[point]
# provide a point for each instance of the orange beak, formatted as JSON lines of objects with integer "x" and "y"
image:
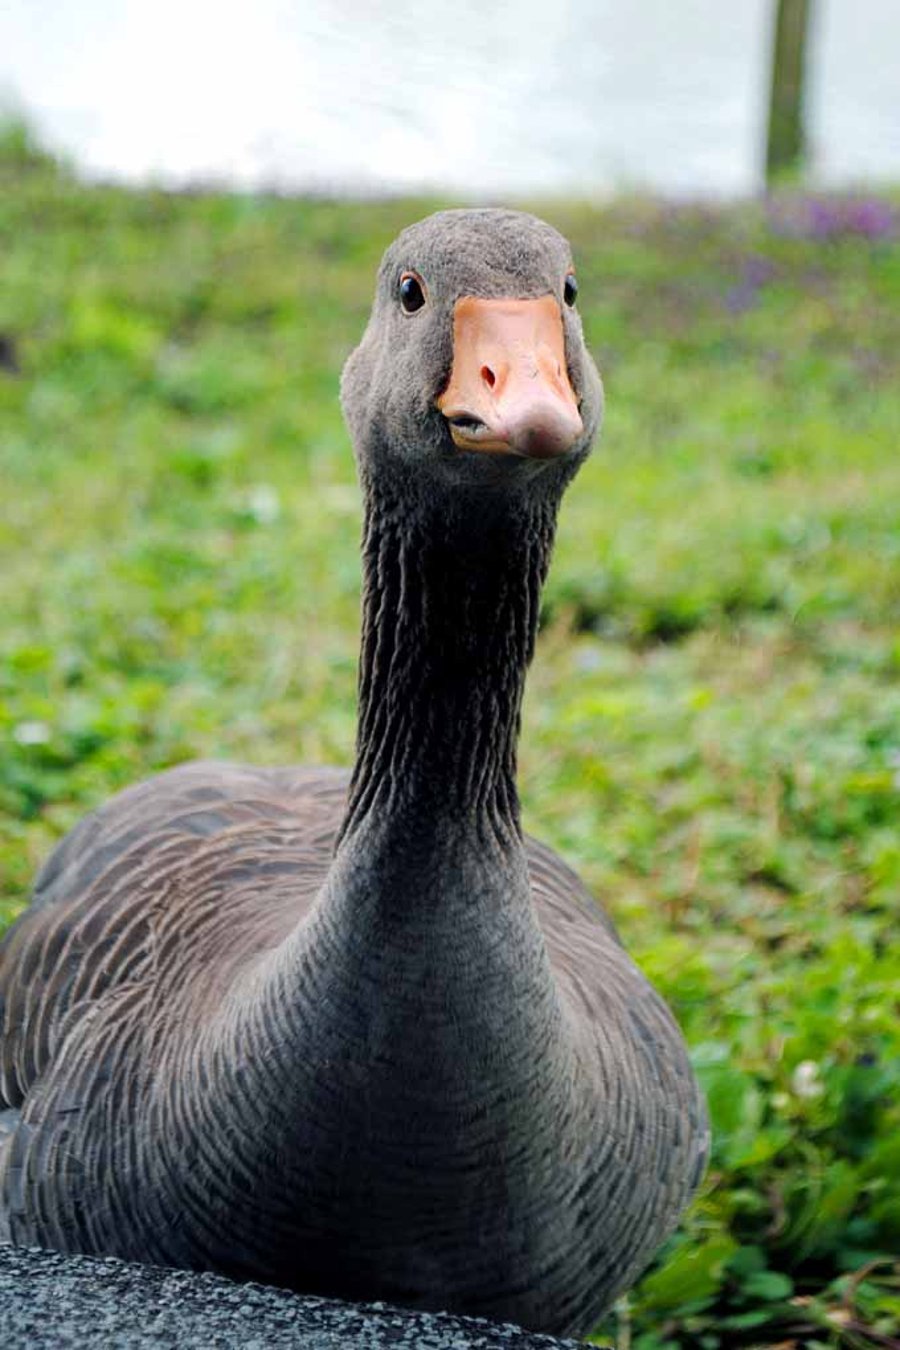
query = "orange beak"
{"x": 509, "y": 390}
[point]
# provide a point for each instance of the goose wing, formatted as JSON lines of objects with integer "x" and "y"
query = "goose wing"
{"x": 188, "y": 852}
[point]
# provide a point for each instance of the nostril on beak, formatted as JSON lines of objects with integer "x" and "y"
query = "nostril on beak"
{"x": 488, "y": 376}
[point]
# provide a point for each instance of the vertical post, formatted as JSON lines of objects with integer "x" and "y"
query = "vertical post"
{"x": 787, "y": 135}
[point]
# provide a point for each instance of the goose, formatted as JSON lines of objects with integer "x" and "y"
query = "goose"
{"x": 355, "y": 1033}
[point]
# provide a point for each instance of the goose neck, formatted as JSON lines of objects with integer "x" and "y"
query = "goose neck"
{"x": 451, "y": 594}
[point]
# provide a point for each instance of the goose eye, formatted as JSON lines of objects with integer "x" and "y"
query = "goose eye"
{"x": 412, "y": 295}
{"x": 570, "y": 290}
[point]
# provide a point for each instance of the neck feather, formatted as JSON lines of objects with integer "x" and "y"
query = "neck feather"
{"x": 451, "y": 593}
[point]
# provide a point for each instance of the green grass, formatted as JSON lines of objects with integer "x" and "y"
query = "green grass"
{"x": 712, "y": 732}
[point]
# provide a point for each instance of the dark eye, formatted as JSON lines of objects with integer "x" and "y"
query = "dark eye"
{"x": 412, "y": 295}
{"x": 570, "y": 290}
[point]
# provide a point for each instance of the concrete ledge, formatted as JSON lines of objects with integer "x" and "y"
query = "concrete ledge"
{"x": 49, "y": 1302}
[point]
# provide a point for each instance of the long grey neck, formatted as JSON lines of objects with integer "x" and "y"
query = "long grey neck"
{"x": 450, "y": 609}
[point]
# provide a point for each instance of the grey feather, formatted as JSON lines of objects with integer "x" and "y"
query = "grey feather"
{"x": 355, "y": 1034}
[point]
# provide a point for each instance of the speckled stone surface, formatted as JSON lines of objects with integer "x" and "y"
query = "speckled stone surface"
{"x": 49, "y": 1302}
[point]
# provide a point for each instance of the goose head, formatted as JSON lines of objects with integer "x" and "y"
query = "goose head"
{"x": 473, "y": 368}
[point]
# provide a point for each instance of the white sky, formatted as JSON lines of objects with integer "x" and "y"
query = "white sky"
{"x": 518, "y": 95}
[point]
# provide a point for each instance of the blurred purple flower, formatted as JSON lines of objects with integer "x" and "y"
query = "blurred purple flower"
{"x": 832, "y": 217}
{"x": 757, "y": 270}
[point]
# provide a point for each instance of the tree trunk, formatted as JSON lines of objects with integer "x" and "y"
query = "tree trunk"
{"x": 787, "y": 134}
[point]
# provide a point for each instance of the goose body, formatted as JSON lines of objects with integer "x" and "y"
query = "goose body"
{"x": 353, "y": 1033}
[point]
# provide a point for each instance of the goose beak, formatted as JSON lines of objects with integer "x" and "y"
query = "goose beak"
{"x": 509, "y": 391}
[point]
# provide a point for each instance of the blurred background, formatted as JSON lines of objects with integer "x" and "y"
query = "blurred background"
{"x": 582, "y": 96}
{"x": 194, "y": 198}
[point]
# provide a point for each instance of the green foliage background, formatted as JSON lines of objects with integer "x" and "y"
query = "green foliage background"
{"x": 712, "y": 734}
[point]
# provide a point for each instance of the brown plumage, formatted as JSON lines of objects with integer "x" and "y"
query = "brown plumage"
{"x": 353, "y": 1033}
